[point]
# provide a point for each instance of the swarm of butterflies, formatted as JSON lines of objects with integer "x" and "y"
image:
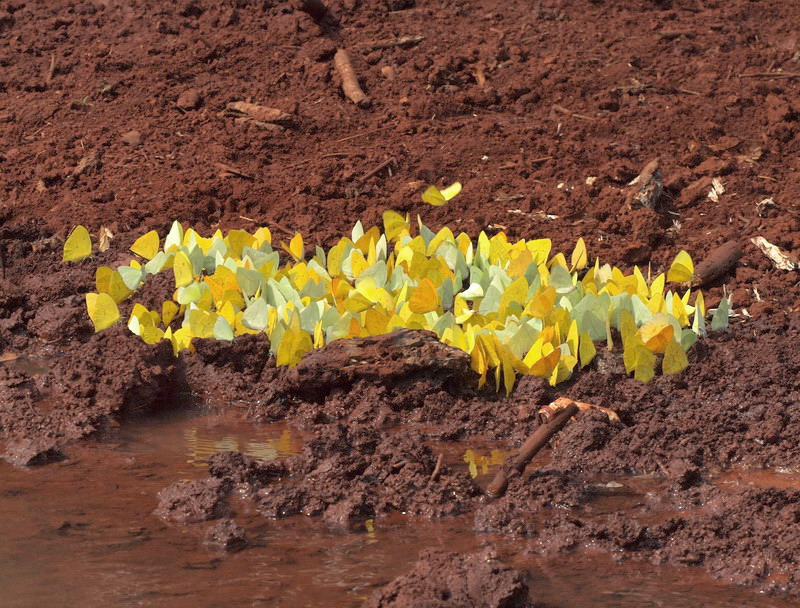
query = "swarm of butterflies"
{"x": 514, "y": 307}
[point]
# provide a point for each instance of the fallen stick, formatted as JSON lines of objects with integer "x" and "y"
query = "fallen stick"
{"x": 437, "y": 469}
{"x": 717, "y": 263}
{"x": 365, "y": 133}
{"x": 529, "y": 449}
{"x": 51, "y": 72}
{"x": 564, "y": 110}
{"x": 771, "y": 75}
{"x": 388, "y": 162}
{"x": 231, "y": 171}
{"x": 350, "y": 86}
{"x": 391, "y": 42}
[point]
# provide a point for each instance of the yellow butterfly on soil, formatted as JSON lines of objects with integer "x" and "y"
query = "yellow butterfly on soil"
{"x": 102, "y": 309}
{"x": 437, "y": 198}
{"x": 78, "y": 246}
{"x": 682, "y": 269}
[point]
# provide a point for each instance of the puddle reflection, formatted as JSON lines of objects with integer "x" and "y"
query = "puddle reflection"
{"x": 202, "y": 444}
{"x": 479, "y": 464}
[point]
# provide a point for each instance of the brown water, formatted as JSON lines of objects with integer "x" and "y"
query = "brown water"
{"x": 81, "y": 532}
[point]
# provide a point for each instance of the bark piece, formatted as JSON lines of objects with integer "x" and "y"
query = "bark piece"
{"x": 258, "y": 112}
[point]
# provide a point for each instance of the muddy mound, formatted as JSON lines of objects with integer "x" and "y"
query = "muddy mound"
{"x": 737, "y": 403}
{"x": 750, "y": 538}
{"x": 351, "y": 474}
{"x": 193, "y": 501}
{"x": 396, "y": 359}
{"x": 449, "y": 580}
{"x": 112, "y": 375}
{"x": 527, "y": 500}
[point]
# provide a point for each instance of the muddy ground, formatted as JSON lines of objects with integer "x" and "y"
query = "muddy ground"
{"x": 112, "y": 113}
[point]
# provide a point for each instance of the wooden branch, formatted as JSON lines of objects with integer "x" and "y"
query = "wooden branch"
{"x": 350, "y": 86}
{"x": 532, "y": 446}
{"x": 257, "y": 112}
{"x": 437, "y": 469}
{"x": 387, "y": 163}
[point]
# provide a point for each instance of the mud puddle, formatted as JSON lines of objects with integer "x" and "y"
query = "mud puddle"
{"x": 782, "y": 479}
{"x": 82, "y": 532}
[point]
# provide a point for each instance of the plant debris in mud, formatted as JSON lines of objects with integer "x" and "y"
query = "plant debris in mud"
{"x": 514, "y": 307}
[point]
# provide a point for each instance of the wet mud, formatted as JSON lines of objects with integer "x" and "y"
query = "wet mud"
{"x": 114, "y": 114}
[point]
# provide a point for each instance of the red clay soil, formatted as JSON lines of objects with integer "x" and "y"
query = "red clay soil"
{"x": 113, "y": 113}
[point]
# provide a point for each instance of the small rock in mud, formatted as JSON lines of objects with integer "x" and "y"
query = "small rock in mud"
{"x": 187, "y": 502}
{"x": 238, "y": 468}
{"x": 227, "y": 535}
{"x": 190, "y": 99}
{"x": 443, "y": 580}
{"x": 132, "y": 138}
{"x": 348, "y": 515}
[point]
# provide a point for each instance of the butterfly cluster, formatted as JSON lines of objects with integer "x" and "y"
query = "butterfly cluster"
{"x": 513, "y": 306}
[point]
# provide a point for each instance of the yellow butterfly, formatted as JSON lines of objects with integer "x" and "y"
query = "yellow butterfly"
{"x": 579, "y": 256}
{"x": 424, "y": 299}
{"x": 682, "y": 269}
{"x": 146, "y": 245}
{"x": 295, "y": 248}
{"x": 78, "y": 246}
{"x": 675, "y": 360}
{"x": 437, "y": 198}
{"x": 102, "y": 310}
{"x": 182, "y": 267}
{"x": 394, "y": 224}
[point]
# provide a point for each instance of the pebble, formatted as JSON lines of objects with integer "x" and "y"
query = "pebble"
{"x": 132, "y": 138}
{"x": 190, "y": 99}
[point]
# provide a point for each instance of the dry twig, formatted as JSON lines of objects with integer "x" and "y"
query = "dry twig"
{"x": 389, "y": 43}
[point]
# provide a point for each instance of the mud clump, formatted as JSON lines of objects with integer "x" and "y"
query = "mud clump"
{"x": 350, "y": 474}
{"x": 525, "y": 500}
{"x": 448, "y": 580}
{"x": 395, "y": 359}
{"x": 221, "y": 373}
{"x": 747, "y": 416}
{"x": 226, "y": 535}
{"x": 750, "y": 538}
{"x": 187, "y": 502}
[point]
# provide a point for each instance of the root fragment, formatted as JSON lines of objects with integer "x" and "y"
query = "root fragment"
{"x": 350, "y": 86}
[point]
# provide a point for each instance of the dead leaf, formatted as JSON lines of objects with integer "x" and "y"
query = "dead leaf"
{"x": 230, "y": 171}
{"x": 782, "y": 260}
{"x": 726, "y": 142}
{"x": 762, "y": 207}
{"x": 717, "y": 188}
{"x": 8, "y": 356}
{"x": 257, "y": 112}
{"x": 104, "y": 237}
